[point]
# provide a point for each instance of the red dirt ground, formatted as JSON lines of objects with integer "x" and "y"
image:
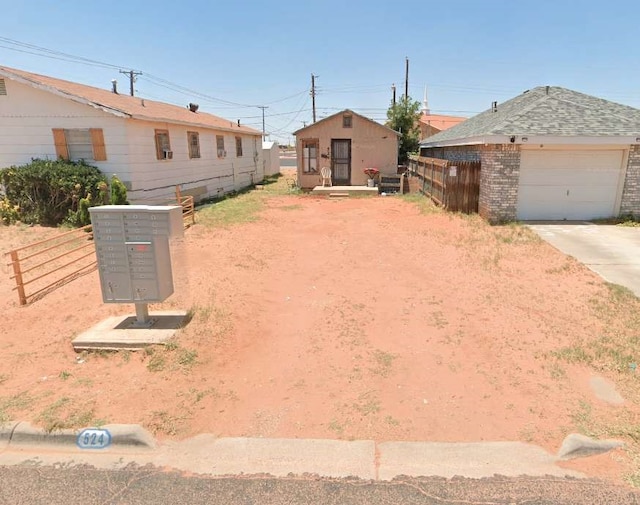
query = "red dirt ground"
{"x": 351, "y": 319}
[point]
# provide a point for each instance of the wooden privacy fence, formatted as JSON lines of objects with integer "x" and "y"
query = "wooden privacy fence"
{"x": 453, "y": 185}
{"x": 40, "y": 267}
{"x": 188, "y": 208}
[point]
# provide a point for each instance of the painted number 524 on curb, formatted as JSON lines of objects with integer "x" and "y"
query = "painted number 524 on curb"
{"x": 94, "y": 438}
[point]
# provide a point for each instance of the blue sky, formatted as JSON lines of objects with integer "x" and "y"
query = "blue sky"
{"x": 469, "y": 53}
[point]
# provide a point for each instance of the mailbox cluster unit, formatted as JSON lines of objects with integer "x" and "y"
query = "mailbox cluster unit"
{"x": 132, "y": 247}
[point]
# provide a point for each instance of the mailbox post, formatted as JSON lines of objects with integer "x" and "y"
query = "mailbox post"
{"x": 132, "y": 247}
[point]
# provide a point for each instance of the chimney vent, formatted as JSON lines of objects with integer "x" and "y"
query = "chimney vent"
{"x": 494, "y": 106}
{"x": 114, "y": 86}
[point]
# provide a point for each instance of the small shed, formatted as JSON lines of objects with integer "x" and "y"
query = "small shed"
{"x": 347, "y": 143}
{"x": 270, "y": 158}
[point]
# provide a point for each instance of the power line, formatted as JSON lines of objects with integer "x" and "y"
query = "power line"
{"x": 57, "y": 55}
{"x": 292, "y": 119}
{"x": 289, "y": 97}
{"x": 183, "y": 89}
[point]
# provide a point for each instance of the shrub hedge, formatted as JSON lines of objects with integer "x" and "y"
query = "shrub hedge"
{"x": 48, "y": 192}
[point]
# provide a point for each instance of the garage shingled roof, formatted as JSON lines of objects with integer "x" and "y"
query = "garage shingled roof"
{"x": 548, "y": 110}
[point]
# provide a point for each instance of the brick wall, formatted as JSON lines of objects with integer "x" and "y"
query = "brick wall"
{"x": 630, "y": 203}
{"x": 499, "y": 182}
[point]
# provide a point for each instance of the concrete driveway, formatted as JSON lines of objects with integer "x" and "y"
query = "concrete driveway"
{"x": 613, "y": 252}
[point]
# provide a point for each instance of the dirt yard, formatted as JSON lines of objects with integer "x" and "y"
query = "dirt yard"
{"x": 367, "y": 318}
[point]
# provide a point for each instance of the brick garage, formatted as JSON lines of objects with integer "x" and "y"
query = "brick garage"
{"x": 550, "y": 153}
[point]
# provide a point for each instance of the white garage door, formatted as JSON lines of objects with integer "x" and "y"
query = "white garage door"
{"x": 568, "y": 184}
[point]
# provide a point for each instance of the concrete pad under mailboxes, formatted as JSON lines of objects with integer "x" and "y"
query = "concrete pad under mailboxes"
{"x": 118, "y": 332}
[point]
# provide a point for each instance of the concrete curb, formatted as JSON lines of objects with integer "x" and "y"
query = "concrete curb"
{"x": 19, "y": 434}
{"x": 209, "y": 455}
{"x": 6, "y": 430}
{"x": 580, "y": 446}
{"x": 279, "y": 457}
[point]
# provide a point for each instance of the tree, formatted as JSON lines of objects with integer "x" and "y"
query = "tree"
{"x": 404, "y": 117}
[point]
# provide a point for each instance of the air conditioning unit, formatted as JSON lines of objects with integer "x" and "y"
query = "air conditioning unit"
{"x": 221, "y": 153}
{"x": 167, "y": 155}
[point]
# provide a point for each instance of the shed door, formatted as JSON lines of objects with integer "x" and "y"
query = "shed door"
{"x": 341, "y": 162}
{"x": 569, "y": 184}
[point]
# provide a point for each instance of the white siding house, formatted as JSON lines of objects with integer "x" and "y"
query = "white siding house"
{"x": 151, "y": 146}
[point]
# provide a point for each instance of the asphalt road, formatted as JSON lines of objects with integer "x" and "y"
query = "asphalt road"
{"x": 287, "y": 161}
{"x": 85, "y": 485}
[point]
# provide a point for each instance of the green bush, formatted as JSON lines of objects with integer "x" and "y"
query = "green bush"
{"x": 9, "y": 213}
{"x": 118, "y": 192}
{"x": 48, "y": 192}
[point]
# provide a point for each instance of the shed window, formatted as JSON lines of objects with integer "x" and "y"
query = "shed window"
{"x": 347, "y": 121}
{"x": 239, "y": 147}
{"x": 194, "y": 144}
{"x": 309, "y": 156}
{"x": 220, "y": 146}
{"x": 163, "y": 146}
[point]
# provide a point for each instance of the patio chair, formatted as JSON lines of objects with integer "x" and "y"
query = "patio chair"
{"x": 325, "y": 172}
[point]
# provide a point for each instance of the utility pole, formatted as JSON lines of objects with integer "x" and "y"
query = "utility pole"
{"x": 132, "y": 78}
{"x": 393, "y": 89}
{"x": 263, "y": 107}
{"x": 406, "y": 79}
{"x": 313, "y": 96}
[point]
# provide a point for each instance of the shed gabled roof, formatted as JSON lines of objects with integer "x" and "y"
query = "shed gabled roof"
{"x": 124, "y": 105}
{"x": 339, "y": 114}
{"x": 549, "y": 111}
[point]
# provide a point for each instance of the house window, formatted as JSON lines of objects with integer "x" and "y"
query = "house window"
{"x": 79, "y": 144}
{"x": 347, "y": 120}
{"x": 220, "y": 146}
{"x": 239, "y": 147}
{"x": 3, "y": 87}
{"x": 309, "y": 156}
{"x": 163, "y": 146}
{"x": 194, "y": 144}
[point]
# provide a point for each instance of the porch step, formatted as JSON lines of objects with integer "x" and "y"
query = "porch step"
{"x": 344, "y": 191}
{"x": 338, "y": 195}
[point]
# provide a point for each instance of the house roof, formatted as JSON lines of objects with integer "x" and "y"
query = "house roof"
{"x": 124, "y": 105}
{"x": 441, "y": 122}
{"x": 545, "y": 111}
{"x": 312, "y": 125}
